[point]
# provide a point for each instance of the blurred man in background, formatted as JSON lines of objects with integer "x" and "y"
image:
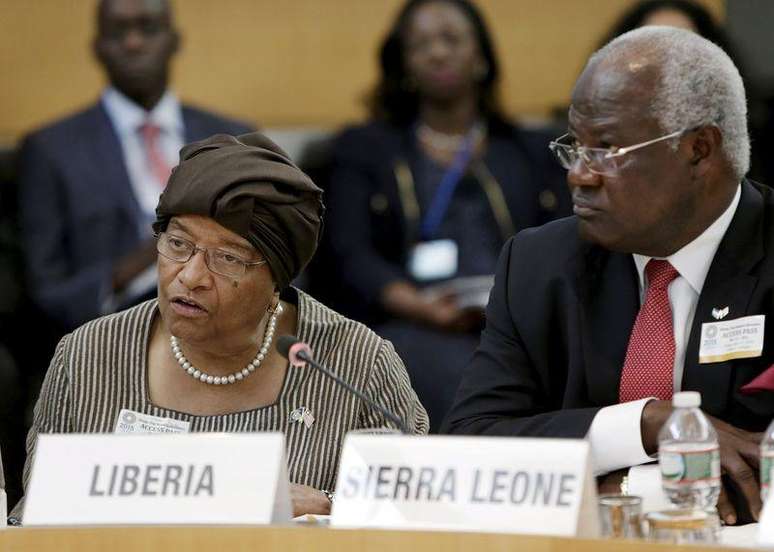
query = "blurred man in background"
{"x": 88, "y": 184}
{"x": 87, "y": 188}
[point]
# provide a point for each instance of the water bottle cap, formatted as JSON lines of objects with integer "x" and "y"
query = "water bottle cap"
{"x": 686, "y": 399}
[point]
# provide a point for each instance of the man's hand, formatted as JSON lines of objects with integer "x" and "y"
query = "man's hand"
{"x": 611, "y": 483}
{"x": 307, "y": 500}
{"x": 739, "y": 457}
{"x": 739, "y": 460}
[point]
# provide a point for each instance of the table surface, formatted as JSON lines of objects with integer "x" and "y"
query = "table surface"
{"x": 306, "y": 539}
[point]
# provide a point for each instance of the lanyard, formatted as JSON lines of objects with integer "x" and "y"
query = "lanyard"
{"x": 443, "y": 195}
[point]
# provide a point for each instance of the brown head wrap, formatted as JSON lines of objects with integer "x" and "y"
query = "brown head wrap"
{"x": 250, "y": 186}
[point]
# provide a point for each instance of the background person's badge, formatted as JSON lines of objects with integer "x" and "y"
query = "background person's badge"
{"x": 433, "y": 260}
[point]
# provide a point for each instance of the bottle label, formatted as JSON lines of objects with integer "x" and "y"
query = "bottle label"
{"x": 689, "y": 467}
{"x": 767, "y": 463}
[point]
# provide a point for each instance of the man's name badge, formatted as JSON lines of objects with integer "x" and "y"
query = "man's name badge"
{"x": 730, "y": 339}
{"x": 433, "y": 260}
{"x": 135, "y": 422}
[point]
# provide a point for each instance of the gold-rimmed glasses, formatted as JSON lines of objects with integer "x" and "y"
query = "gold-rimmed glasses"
{"x": 218, "y": 261}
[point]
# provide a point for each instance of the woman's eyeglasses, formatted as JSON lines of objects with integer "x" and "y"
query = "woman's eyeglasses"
{"x": 218, "y": 261}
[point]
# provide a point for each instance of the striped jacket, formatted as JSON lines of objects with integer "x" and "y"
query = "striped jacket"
{"x": 100, "y": 368}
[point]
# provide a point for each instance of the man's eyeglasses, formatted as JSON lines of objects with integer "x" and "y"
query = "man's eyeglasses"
{"x": 218, "y": 261}
{"x": 604, "y": 161}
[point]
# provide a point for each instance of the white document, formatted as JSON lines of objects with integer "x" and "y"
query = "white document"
{"x": 504, "y": 485}
{"x": 202, "y": 478}
{"x": 468, "y": 292}
{"x": 645, "y": 482}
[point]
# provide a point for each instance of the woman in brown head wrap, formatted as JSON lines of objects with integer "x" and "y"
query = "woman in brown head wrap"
{"x": 236, "y": 223}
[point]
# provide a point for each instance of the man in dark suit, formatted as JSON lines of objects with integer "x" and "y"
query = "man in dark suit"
{"x": 88, "y": 184}
{"x": 595, "y": 320}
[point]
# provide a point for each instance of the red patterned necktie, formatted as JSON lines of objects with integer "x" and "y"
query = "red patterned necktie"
{"x": 650, "y": 358}
{"x": 150, "y": 139}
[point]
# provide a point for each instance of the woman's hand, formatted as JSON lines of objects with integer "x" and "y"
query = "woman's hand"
{"x": 404, "y": 300}
{"x": 307, "y": 500}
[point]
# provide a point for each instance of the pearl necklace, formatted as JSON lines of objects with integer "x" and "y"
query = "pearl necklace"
{"x": 449, "y": 143}
{"x": 192, "y": 371}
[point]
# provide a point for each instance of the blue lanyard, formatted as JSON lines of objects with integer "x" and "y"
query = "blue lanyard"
{"x": 442, "y": 198}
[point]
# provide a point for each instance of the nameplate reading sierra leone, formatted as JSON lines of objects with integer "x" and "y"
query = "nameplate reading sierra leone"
{"x": 204, "y": 478}
{"x": 508, "y": 485}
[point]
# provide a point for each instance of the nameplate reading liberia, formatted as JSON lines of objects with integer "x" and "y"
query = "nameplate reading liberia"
{"x": 205, "y": 478}
{"x": 508, "y": 485}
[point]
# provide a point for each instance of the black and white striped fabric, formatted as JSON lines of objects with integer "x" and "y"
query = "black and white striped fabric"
{"x": 101, "y": 368}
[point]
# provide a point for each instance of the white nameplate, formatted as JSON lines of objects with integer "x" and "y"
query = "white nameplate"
{"x": 205, "y": 478}
{"x": 534, "y": 486}
{"x": 3, "y": 497}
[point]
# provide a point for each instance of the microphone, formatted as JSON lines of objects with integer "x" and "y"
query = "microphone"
{"x": 299, "y": 353}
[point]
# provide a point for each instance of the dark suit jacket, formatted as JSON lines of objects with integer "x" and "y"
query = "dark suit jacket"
{"x": 558, "y": 325}
{"x": 78, "y": 212}
{"x": 368, "y": 232}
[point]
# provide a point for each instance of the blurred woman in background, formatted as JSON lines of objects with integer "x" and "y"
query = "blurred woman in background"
{"x": 686, "y": 14}
{"x": 682, "y": 14}
{"x": 427, "y": 192}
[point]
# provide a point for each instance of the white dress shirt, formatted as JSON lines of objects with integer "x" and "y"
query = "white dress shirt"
{"x": 127, "y": 118}
{"x": 615, "y": 435}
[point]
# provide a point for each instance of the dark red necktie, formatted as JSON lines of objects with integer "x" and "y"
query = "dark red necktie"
{"x": 650, "y": 358}
{"x": 158, "y": 167}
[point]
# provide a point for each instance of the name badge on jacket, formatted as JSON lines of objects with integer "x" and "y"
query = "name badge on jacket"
{"x": 730, "y": 339}
{"x": 135, "y": 422}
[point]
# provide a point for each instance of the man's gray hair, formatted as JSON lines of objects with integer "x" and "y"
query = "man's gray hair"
{"x": 699, "y": 85}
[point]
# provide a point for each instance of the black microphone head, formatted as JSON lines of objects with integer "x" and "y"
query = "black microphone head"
{"x": 285, "y": 342}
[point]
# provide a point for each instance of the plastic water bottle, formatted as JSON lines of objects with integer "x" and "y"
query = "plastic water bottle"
{"x": 767, "y": 461}
{"x": 689, "y": 456}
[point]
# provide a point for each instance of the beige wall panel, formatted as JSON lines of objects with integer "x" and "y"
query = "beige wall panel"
{"x": 289, "y": 63}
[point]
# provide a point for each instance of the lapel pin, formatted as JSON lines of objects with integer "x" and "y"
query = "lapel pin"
{"x": 719, "y": 314}
{"x": 302, "y": 415}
